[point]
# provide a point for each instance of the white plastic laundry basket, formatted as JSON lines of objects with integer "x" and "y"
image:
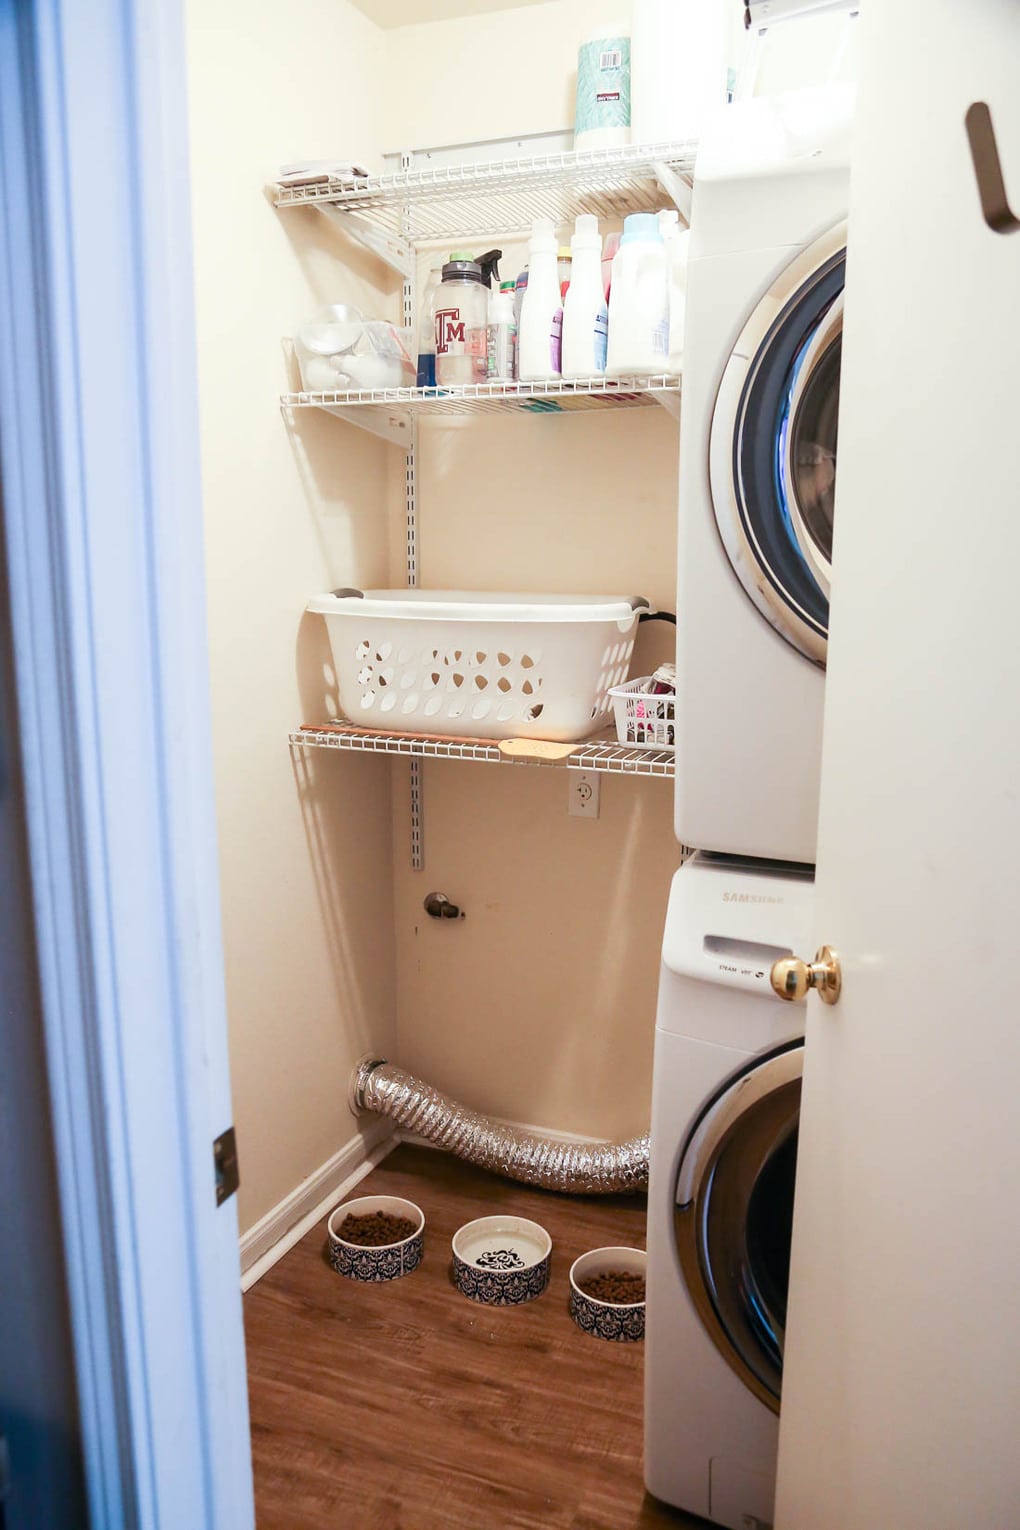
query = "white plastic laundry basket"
{"x": 473, "y": 665}
{"x": 644, "y": 718}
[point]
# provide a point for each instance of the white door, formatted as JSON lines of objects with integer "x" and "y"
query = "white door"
{"x": 901, "y": 1392}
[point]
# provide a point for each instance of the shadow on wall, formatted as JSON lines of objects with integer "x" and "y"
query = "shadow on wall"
{"x": 318, "y": 696}
{"x": 340, "y": 468}
{"x": 337, "y": 268}
{"x": 342, "y": 472}
{"x": 339, "y": 794}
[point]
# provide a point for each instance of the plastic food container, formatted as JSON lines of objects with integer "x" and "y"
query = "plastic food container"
{"x": 465, "y": 664}
{"x": 644, "y": 719}
{"x": 340, "y": 351}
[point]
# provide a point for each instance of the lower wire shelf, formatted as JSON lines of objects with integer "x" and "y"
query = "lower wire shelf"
{"x": 599, "y": 753}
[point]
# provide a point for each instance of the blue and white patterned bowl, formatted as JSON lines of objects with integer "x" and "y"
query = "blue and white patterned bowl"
{"x": 502, "y": 1261}
{"x": 607, "y": 1320}
{"x": 388, "y": 1261}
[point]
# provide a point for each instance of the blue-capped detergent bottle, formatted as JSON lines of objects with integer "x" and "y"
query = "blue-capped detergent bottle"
{"x": 639, "y": 301}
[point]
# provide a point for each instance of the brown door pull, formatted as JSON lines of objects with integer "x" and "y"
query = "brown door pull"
{"x": 984, "y": 151}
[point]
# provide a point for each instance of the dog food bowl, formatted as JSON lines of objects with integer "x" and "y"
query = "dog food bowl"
{"x": 502, "y": 1261}
{"x": 387, "y": 1261}
{"x": 623, "y": 1322}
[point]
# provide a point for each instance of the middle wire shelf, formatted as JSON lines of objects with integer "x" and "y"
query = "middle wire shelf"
{"x": 599, "y": 753}
{"x": 389, "y": 412}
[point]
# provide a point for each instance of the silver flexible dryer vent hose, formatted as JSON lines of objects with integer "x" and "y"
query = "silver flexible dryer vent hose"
{"x": 599, "y": 1168}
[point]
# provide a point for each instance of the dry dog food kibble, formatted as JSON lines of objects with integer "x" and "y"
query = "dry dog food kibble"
{"x": 375, "y": 1229}
{"x": 619, "y": 1287}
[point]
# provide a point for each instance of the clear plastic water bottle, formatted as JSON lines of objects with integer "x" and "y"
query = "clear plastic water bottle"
{"x": 460, "y": 318}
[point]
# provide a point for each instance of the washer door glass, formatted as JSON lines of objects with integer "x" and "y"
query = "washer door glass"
{"x": 773, "y": 445}
{"x": 734, "y": 1216}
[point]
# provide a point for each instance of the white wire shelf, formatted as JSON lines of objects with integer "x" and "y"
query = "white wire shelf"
{"x": 389, "y": 412}
{"x": 602, "y": 754}
{"x": 505, "y": 196}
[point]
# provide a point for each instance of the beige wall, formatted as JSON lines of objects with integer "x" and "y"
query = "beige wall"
{"x": 478, "y": 77}
{"x": 307, "y": 897}
{"x": 489, "y": 76}
{"x": 540, "y": 1005}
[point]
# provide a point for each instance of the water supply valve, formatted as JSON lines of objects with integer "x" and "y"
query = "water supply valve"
{"x": 438, "y": 906}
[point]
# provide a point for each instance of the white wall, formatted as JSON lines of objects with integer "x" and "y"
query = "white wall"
{"x": 307, "y": 899}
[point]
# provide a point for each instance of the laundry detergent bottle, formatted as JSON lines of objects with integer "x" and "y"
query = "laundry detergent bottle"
{"x": 677, "y": 249}
{"x": 539, "y": 340}
{"x": 639, "y": 301}
{"x": 585, "y": 314}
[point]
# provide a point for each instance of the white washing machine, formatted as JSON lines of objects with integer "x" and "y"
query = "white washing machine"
{"x": 757, "y": 470}
{"x": 725, "y": 1111}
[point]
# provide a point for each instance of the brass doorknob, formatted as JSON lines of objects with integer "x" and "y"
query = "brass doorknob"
{"x": 791, "y": 978}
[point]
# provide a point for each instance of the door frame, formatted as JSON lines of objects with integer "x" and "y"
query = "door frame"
{"x": 99, "y": 453}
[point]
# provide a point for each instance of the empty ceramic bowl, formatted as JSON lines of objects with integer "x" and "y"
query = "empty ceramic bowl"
{"x": 502, "y": 1261}
{"x": 610, "y": 1319}
{"x": 385, "y": 1261}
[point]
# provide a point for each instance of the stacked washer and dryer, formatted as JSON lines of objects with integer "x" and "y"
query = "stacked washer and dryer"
{"x": 757, "y": 473}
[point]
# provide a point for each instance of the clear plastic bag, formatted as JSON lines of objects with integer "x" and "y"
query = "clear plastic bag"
{"x": 339, "y": 350}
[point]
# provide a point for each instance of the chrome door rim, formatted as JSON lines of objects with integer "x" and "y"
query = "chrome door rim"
{"x": 828, "y": 334}
{"x": 780, "y": 609}
{"x": 765, "y": 1087}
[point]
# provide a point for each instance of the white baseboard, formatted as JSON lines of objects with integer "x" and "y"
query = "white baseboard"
{"x": 278, "y": 1231}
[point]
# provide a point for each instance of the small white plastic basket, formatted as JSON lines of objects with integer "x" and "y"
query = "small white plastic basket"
{"x": 642, "y": 719}
{"x": 479, "y": 665}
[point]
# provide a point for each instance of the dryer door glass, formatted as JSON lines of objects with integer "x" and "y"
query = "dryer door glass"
{"x": 734, "y": 1216}
{"x": 773, "y": 445}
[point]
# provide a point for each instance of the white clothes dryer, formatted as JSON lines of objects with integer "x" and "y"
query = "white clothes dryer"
{"x": 757, "y": 470}
{"x": 725, "y": 1112}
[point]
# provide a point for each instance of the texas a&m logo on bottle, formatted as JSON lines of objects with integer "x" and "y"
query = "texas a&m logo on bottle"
{"x": 450, "y": 330}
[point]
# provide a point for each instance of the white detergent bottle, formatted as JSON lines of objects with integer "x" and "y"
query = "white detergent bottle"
{"x": 539, "y": 339}
{"x": 639, "y": 301}
{"x": 677, "y": 248}
{"x": 585, "y": 315}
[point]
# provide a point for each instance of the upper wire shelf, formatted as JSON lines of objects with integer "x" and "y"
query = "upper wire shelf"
{"x": 444, "y": 202}
{"x": 601, "y": 754}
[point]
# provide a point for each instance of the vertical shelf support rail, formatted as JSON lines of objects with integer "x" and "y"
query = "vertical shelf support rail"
{"x": 410, "y": 312}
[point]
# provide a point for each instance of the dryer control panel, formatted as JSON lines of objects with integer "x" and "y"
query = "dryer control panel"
{"x": 728, "y": 921}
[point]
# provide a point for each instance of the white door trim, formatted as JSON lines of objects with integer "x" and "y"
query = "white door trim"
{"x": 102, "y": 519}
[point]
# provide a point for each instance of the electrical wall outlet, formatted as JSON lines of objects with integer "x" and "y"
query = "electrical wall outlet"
{"x": 583, "y": 801}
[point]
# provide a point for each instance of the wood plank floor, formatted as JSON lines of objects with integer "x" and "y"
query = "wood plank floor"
{"x": 404, "y": 1406}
